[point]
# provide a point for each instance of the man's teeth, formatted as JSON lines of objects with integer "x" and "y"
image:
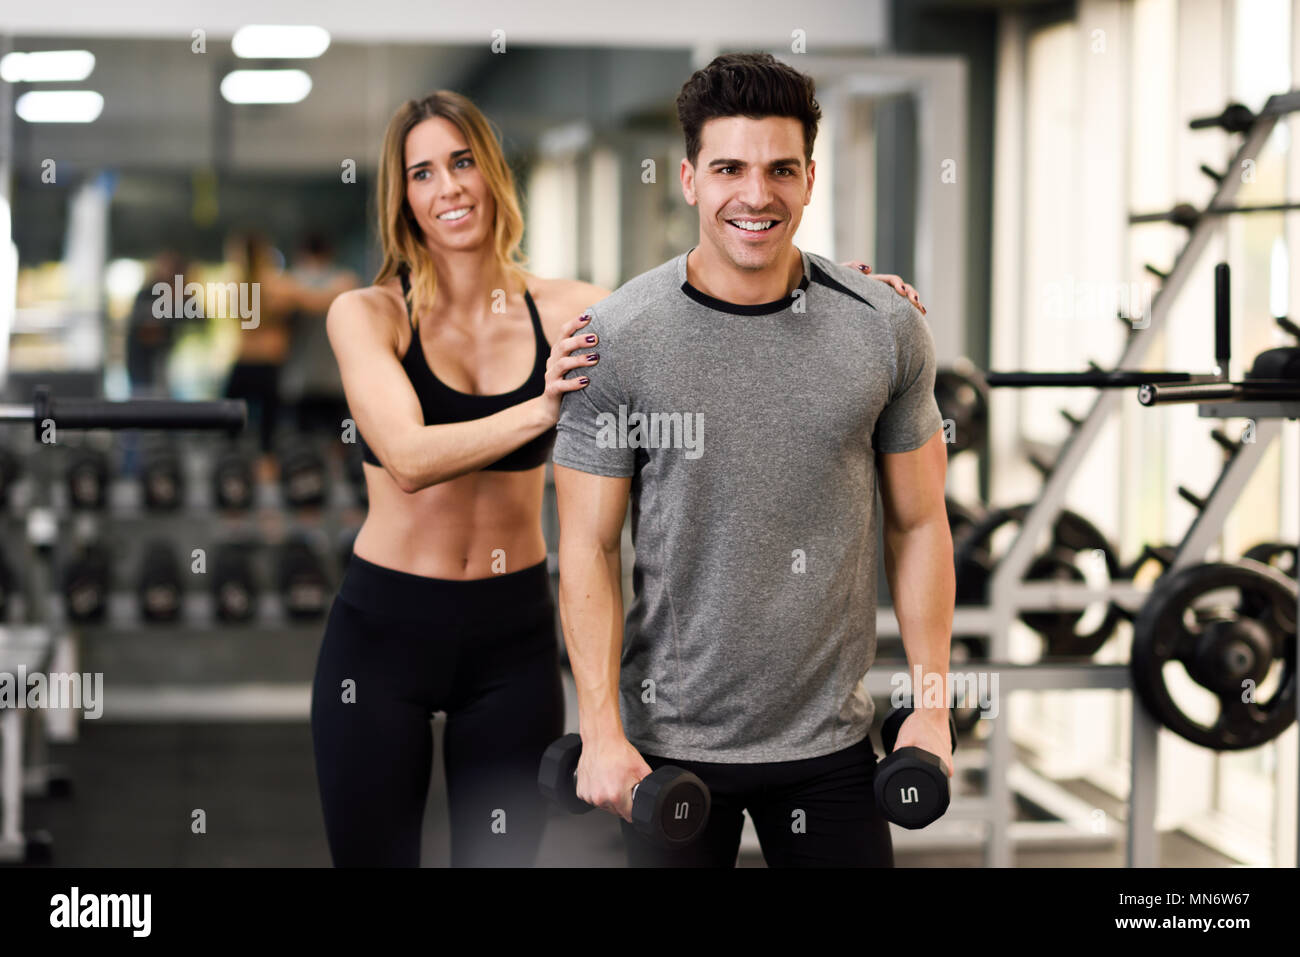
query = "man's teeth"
{"x": 752, "y": 226}
{"x": 455, "y": 213}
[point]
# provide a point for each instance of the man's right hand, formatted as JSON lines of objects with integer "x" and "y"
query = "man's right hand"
{"x": 607, "y": 771}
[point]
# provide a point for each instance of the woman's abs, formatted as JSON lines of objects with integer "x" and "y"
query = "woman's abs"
{"x": 475, "y": 526}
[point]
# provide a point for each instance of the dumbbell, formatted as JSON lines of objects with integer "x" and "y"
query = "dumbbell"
{"x": 911, "y": 783}
{"x": 302, "y": 584}
{"x": 234, "y": 589}
{"x": 86, "y": 581}
{"x": 670, "y": 805}
{"x": 162, "y": 479}
{"x": 160, "y": 588}
{"x": 87, "y": 478}
{"x": 232, "y": 480}
{"x": 304, "y": 477}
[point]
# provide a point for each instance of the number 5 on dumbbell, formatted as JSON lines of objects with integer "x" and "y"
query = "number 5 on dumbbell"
{"x": 670, "y": 805}
{"x": 911, "y": 784}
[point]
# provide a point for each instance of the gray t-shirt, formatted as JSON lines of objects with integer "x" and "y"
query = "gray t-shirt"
{"x": 753, "y": 501}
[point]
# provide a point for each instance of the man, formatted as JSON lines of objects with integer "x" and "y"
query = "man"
{"x": 788, "y": 383}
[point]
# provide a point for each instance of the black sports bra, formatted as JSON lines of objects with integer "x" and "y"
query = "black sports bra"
{"x": 442, "y": 404}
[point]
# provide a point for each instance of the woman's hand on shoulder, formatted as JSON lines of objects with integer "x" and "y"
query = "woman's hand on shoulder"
{"x": 904, "y": 289}
{"x": 573, "y": 346}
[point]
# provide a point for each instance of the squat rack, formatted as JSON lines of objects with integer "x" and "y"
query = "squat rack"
{"x": 1010, "y": 594}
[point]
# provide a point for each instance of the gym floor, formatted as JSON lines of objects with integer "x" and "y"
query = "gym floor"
{"x": 136, "y": 785}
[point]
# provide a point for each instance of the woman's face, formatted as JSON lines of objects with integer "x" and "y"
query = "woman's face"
{"x": 444, "y": 188}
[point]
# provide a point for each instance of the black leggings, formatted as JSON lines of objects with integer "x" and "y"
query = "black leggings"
{"x": 815, "y": 812}
{"x": 399, "y": 647}
{"x": 258, "y": 384}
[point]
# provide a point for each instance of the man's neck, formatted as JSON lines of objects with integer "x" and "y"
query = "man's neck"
{"x": 717, "y": 277}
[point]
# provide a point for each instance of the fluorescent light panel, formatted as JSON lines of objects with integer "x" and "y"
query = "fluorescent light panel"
{"x": 59, "y": 106}
{"x": 47, "y": 66}
{"x": 260, "y": 42}
{"x": 265, "y": 86}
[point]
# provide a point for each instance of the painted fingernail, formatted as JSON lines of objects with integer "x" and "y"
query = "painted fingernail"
{"x": 591, "y": 338}
{"x": 592, "y": 357}
{"x": 862, "y": 267}
{"x": 584, "y": 380}
{"x": 584, "y": 317}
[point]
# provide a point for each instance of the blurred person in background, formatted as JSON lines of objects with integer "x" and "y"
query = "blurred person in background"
{"x": 311, "y": 384}
{"x": 264, "y": 344}
{"x": 149, "y": 339}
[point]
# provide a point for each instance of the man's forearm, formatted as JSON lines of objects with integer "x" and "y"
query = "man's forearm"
{"x": 918, "y": 564}
{"x": 591, "y": 612}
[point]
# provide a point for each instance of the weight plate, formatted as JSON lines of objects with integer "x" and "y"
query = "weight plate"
{"x": 962, "y": 396}
{"x": 1074, "y": 540}
{"x": 1279, "y": 555}
{"x": 1229, "y": 626}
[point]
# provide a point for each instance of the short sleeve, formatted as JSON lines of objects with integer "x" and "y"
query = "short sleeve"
{"x": 912, "y": 415}
{"x": 587, "y": 432}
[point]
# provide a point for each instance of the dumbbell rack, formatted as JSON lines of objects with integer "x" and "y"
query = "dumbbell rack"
{"x": 29, "y": 645}
{"x": 196, "y": 635}
{"x": 1010, "y": 594}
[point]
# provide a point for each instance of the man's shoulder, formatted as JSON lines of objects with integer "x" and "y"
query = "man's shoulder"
{"x": 854, "y": 284}
{"x": 638, "y": 296}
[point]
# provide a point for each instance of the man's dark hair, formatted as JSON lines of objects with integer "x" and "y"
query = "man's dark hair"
{"x": 747, "y": 84}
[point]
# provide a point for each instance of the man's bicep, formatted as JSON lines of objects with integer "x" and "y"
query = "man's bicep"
{"x": 591, "y": 507}
{"x": 912, "y": 483}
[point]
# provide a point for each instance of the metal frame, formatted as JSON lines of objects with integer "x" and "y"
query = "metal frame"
{"x": 1009, "y": 596}
{"x": 27, "y": 647}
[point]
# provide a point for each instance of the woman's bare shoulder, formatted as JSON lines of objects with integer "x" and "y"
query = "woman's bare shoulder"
{"x": 374, "y": 309}
{"x": 559, "y": 300}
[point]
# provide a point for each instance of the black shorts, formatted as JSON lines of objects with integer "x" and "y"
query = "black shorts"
{"x": 815, "y": 812}
{"x": 399, "y": 647}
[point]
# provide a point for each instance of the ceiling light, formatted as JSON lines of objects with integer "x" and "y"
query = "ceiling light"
{"x": 48, "y": 66}
{"x": 265, "y": 86}
{"x": 279, "y": 43}
{"x": 59, "y": 106}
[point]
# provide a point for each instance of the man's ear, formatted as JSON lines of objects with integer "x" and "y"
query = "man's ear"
{"x": 812, "y": 174}
{"x": 688, "y": 181}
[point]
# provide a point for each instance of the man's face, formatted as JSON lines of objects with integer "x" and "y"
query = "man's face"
{"x": 751, "y": 184}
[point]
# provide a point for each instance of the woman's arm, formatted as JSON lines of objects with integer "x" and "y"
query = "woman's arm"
{"x": 387, "y": 411}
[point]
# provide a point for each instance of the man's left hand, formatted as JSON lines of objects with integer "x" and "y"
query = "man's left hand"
{"x": 928, "y": 730}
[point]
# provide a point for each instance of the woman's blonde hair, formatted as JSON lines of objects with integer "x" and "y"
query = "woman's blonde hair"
{"x": 399, "y": 233}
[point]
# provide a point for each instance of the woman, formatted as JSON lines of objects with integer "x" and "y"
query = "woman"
{"x": 264, "y": 344}
{"x": 453, "y": 365}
